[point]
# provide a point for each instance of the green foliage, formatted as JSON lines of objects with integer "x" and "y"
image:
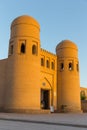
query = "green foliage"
{"x": 83, "y": 97}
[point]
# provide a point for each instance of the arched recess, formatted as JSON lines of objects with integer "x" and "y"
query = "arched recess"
{"x": 23, "y": 48}
{"x": 46, "y": 85}
{"x": 34, "y": 50}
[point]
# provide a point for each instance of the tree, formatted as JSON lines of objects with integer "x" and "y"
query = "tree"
{"x": 82, "y": 95}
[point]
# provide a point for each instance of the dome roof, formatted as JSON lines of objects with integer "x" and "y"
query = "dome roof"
{"x": 25, "y": 19}
{"x": 66, "y": 44}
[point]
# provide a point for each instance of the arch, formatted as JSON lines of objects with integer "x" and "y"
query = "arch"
{"x": 34, "y": 50}
{"x": 48, "y": 83}
{"x": 77, "y": 67}
{"x": 83, "y": 95}
{"x": 47, "y": 63}
{"x": 52, "y": 65}
{"x": 42, "y": 61}
{"x": 51, "y": 90}
{"x": 70, "y": 66}
{"x": 22, "y": 48}
{"x": 62, "y": 66}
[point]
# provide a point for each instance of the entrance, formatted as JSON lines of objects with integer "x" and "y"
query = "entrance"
{"x": 45, "y": 96}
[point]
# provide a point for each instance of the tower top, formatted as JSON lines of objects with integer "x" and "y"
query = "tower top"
{"x": 25, "y": 26}
{"x": 66, "y": 44}
{"x": 25, "y": 19}
{"x": 67, "y": 48}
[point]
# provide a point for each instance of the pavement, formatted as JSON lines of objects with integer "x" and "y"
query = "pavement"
{"x": 57, "y": 119}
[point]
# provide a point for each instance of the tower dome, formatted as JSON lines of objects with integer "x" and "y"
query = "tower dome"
{"x": 67, "y": 48}
{"x": 66, "y": 43}
{"x": 25, "y": 19}
{"x": 25, "y": 26}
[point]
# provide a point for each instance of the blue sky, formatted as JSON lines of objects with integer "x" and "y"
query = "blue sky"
{"x": 59, "y": 20}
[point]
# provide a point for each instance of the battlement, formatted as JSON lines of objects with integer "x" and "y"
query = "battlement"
{"x": 43, "y": 50}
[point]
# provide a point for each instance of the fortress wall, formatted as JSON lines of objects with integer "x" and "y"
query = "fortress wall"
{"x": 2, "y": 81}
{"x": 48, "y": 76}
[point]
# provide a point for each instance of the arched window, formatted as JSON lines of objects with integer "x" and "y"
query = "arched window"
{"x": 70, "y": 66}
{"x": 34, "y": 50}
{"x": 52, "y": 65}
{"x": 47, "y": 64}
{"x": 61, "y": 66}
{"x": 77, "y": 67}
{"x": 22, "y": 48}
{"x": 42, "y": 62}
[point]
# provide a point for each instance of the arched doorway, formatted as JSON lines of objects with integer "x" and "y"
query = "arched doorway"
{"x": 46, "y": 94}
{"x": 45, "y": 99}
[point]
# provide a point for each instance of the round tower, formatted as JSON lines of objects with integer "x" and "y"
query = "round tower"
{"x": 23, "y": 81}
{"x": 68, "y": 77}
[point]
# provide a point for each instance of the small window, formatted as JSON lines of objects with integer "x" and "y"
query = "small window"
{"x": 42, "y": 62}
{"x": 52, "y": 65}
{"x": 61, "y": 66}
{"x": 34, "y": 50}
{"x": 11, "y": 49}
{"x": 47, "y": 64}
{"x": 70, "y": 66}
{"x": 77, "y": 67}
{"x": 22, "y": 48}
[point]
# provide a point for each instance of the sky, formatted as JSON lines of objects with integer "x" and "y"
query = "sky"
{"x": 58, "y": 19}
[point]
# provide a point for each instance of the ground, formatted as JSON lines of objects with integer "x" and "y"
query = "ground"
{"x": 9, "y": 121}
